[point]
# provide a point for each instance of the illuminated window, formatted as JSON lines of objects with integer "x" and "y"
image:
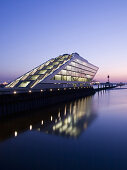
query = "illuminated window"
{"x": 25, "y": 76}
{"x": 80, "y": 79}
{"x": 63, "y": 72}
{"x": 64, "y": 78}
{"x": 24, "y": 84}
{"x": 74, "y": 68}
{"x": 32, "y": 72}
{"x": 57, "y": 77}
{"x": 42, "y": 72}
{"x": 41, "y": 67}
{"x": 34, "y": 83}
{"x": 55, "y": 63}
{"x": 73, "y": 74}
{"x": 49, "y": 67}
{"x": 74, "y": 78}
{"x": 88, "y": 76}
{"x": 68, "y": 67}
{"x": 79, "y": 70}
{"x": 68, "y": 78}
{"x": 77, "y": 74}
{"x": 61, "y": 59}
{"x": 72, "y": 63}
{"x": 69, "y": 73}
{"x": 47, "y": 63}
{"x": 65, "y": 56}
{"x": 34, "y": 77}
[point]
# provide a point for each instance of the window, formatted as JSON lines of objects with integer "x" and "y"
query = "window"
{"x": 47, "y": 63}
{"x": 64, "y": 78}
{"x": 88, "y": 76}
{"x": 57, "y": 77}
{"x": 68, "y": 78}
{"x": 55, "y": 63}
{"x": 24, "y": 84}
{"x": 79, "y": 70}
{"x": 42, "y": 72}
{"x": 34, "y": 77}
{"x": 69, "y": 73}
{"x": 25, "y": 76}
{"x": 61, "y": 59}
{"x": 73, "y": 73}
{"x": 65, "y": 56}
{"x": 33, "y": 72}
{"x": 77, "y": 74}
{"x": 63, "y": 72}
{"x": 72, "y": 63}
{"x": 68, "y": 67}
{"x": 49, "y": 67}
{"x": 41, "y": 67}
{"x": 74, "y": 78}
{"x": 81, "y": 79}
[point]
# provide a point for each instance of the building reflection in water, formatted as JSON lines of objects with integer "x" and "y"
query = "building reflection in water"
{"x": 67, "y": 120}
{"x": 73, "y": 119}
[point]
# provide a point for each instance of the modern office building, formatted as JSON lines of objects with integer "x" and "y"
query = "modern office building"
{"x": 60, "y": 72}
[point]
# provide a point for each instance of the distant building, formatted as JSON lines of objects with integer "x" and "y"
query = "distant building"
{"x": 2, "y": 85}
{"x": 63, "y": 71}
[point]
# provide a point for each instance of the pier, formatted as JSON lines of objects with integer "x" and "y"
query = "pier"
{"x": 105, "y": 86}
{"x": 16, "y": 101}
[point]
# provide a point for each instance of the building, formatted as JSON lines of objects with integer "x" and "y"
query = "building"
{"x": 60, "y": 72}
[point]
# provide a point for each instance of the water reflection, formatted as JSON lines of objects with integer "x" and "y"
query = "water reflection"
{"x": 67, "y": 120}
{"x": 79, "y": 116}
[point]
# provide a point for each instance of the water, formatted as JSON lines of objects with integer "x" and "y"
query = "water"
{"x": 87, "y": 134}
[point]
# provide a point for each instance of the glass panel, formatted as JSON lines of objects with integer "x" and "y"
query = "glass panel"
{"x": 42, "y": 72}
{"x": 47, "y": 63}
{"x": 72, "y": 63}
{"x": 55, "y": 63}
{"x": 61, "y": 59}
{"x": 24, "y": 84}
{"x": 74, "y": 78}
{"x": 80, "y": 75}
{"x": 41, "y": 67}
{"x": 69, "y": 73}
{"x": 34, "y": 77}
{"x": 64, "y": 78}
{"x": 57, "y": 77}
{"x": 65, "y": 56}
{"x": 49, "y": 67}
{"x": 77, "y": 74}
{"x": 81, "y": 79}
{"x": 34, "y": 83}
{"x": 25, "y": 76}
{"x": 33, "y": 71}
{"x": 68, "y": 67}
{"x": 68, "y": 78}
{"x": 63, "y": 72}
{"x": 73, "y": 74}
{"x": 88, "y": 76}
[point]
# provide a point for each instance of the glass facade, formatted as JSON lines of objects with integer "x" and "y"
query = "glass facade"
{"x": 78, "y": 70}
{"x": 24, "y": 84}
{"x": 40, "y": 73}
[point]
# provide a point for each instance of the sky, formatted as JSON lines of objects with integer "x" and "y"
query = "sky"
{"x": 33, "y": 31}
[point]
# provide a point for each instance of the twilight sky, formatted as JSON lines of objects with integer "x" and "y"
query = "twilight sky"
{"x": 33, "y": 31}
